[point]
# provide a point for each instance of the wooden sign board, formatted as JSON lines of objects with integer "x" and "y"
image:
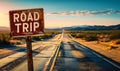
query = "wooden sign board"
{"x": 26, "y": 22}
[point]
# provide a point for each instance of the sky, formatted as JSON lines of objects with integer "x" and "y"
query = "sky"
{"x": 65, "y": 13}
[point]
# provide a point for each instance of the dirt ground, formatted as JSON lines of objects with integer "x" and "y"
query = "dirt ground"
{"x": 102, "y": 48}
{"x": 5, "y": 51}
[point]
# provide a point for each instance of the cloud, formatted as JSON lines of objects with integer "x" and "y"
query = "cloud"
{"x": 117, "y": 12}
{"x": 104, "y": 12}
{"x": 85, "y": 12}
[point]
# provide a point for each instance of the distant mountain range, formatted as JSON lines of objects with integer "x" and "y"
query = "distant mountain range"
{"x": 88, "y": 27}
{"x": 4, "y": 28}
{"x": 83, "y": 27}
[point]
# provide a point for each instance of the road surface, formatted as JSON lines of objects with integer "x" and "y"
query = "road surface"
{"x": 71, "y": 56}
{"x": 76, "y": 57}
{"x": 45, "y": 50}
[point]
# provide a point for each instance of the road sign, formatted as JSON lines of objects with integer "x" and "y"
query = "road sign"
{"x": 26, "y": 22}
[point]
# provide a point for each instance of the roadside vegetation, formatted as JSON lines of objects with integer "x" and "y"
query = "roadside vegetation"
{"x": 103, "y": 36}
{"x": 107, "y": 35}
{"x": 105, "y": 42}
{"x": 6, "y": 39}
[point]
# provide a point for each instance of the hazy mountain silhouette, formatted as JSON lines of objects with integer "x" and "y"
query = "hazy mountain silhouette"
{"x": 82, "y": 27}
{"x": 95, "y": 27}
{"x": 4, "y": 28}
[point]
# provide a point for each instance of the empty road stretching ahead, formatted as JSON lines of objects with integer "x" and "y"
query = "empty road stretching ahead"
{"x": 71, "y": 56}
{"x": 43, "y": 51}
{"x": 75, "y": 57}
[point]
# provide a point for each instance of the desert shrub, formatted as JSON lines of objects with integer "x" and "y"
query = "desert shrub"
{"x": 95, "y": 35}
{"x": 73, "y": 35}
{"x": 118, "y": 42}
{"x": 79, "y": 35}
{"x": 41, "y": 37}
{"x": 19, "y": 38}
{"x": 91, "y": 37}
{"x": 113, "y": 47}
{"x": 115, "y": 35}
{"x": 46, "y": 36}
{"x": 4, "y": 39}
{"x": 37, "y": 38}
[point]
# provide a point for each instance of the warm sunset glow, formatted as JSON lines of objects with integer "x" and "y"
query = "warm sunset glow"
{"x": 73, "y": 13}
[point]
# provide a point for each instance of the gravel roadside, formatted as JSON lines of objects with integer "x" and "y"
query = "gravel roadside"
{"x": 114, "y": 54}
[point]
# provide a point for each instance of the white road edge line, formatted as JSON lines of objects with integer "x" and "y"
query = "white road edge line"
{"x": 106, "y": 60}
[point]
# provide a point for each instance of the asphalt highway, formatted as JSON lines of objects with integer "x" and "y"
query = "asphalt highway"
{"x": 76, "y": 57}
{"x": 42, "y": 52}
{"x": 72, "y": 56}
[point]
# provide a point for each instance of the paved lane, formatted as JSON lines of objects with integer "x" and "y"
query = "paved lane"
{"x": 39, "y": 60}
{"x": 75, "y": 57}
{"x": 46, "y": 48}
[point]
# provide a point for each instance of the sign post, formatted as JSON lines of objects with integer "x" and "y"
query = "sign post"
{"x": 29, "y": 54}
{"x": 27, "y": 23}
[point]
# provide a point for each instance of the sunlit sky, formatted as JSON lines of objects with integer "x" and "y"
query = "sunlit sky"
{"x": 64, "y": 13}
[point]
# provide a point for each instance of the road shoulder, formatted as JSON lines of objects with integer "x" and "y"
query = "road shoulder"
{"x": 114, "y": 54}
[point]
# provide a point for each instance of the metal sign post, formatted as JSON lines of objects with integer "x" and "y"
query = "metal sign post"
{"x": 27, "y": 23}
{"x": 29, "y": 54}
